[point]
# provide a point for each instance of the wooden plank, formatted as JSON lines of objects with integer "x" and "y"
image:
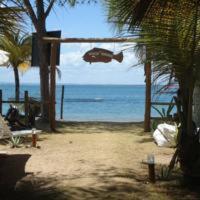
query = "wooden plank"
{"x": 162, "y": 103}
{"x": 147, "y": 118}
{"x": 8, "y": 101}
{"x": 88, "y": 40}
{"x": 52, "y": 113}
{"x": 25, "y": 132}
{"x": 61, "y": 103}
{"x": 164, "y": 118}
{"x": 22, "y": 102}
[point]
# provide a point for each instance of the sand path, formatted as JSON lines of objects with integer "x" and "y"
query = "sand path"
{"x": 88, "y": 161}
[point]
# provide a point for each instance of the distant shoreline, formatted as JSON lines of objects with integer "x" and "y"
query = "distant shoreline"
{"x": 75, "y": 84}
{"x": 98, "y": 122}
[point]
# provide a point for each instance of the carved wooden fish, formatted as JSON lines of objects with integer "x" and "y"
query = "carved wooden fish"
{"x": 101, "y": 55}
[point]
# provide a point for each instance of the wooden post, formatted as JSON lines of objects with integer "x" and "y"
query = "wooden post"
{"x": 151, "y": 167}
{"x": 61, "y": 103}
{"x": 34, "y": 138}
{"x": 1, "y": 102}
{"x": 26, "y": 107}
{"x": 52, "y": 113}
{"x": 147, "y": 120}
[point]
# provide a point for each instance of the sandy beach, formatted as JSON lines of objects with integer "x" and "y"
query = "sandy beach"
{"x": 88, "y": 161}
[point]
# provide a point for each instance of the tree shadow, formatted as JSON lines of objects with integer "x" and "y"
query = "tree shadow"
{"x": 99, "y": 127}
{"x": 146, "y": 140}
{"x": 12, "y": 169}
{"x": 101, "y": 184}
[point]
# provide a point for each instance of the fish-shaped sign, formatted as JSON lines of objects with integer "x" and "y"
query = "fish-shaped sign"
{"x": 102, "y": 55}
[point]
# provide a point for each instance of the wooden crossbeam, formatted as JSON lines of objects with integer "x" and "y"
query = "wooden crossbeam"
{"x": 56, "y": 41}
{"x": 88, "y": 40}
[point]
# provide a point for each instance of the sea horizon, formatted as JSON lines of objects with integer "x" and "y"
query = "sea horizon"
{"x": 58, "y": 84}
{"x": 93, "y": 102}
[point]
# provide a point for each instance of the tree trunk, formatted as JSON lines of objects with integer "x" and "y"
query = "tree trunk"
{"x": 17, "y": 86}
{"x": 44, "y": 76}
{"x": 43, "y": 63}
{"x": 196, "y": 102}
{"x": 188, "y": 140}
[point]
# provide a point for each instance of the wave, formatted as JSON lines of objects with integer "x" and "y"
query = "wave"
{"x": 84, "y": 100}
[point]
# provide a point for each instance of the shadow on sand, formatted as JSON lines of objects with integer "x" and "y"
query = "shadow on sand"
{"x": 103, "y": 184}
{"x": 12, "y": 169}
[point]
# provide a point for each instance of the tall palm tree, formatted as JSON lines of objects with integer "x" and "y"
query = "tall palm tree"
{"x": 170, "y": 29}
{"x": 10, "y": 17}
{"x": 38, "y": 12}
{"x": 18, "y": 46}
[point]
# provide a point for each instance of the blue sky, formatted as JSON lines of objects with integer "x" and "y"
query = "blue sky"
{"x": 85, "y": 21}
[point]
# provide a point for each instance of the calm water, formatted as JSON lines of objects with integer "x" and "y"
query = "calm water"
{"x": 116, "y": 103}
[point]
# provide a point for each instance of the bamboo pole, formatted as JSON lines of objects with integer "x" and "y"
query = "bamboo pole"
{"x": 52, "y": 113}
{"x": 147, "y": 120}
{"x": 61, "y": 103}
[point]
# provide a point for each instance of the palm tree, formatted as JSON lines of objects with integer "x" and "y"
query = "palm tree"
{"x": 170, "y": 30}
{"x": 10, "y": 17}
{"x": 38, "y": 12}
{"x": 18, "y": 46}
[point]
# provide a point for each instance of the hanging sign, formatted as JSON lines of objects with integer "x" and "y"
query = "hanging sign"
{"x": 102, "y": 55}
{"x": 35, "y": 56}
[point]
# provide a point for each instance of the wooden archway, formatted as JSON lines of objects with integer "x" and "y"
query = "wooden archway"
{"x": 55, "y": 41}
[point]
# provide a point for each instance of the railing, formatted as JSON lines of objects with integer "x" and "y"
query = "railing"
{"x": 26, "y": 101}
{"x": 161, "y": 104}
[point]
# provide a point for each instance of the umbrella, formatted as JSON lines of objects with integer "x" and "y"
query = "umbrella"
{"x": 4, "y": 58}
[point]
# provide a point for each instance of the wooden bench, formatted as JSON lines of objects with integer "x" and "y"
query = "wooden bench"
{"x": 33, "y": 132}
{"x": 25, "y": 132}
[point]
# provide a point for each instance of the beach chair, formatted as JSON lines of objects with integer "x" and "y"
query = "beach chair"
{"x": 6, "y": 133}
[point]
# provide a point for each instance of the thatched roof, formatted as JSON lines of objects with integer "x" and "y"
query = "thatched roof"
{"x": 4, "y": 129}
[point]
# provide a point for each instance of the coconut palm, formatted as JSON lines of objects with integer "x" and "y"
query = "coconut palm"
{"x": 10, "y": 17}
{"x": 170, "y": 30}
{"x": 38, "y": 12}
{"x": 18, "y": 45}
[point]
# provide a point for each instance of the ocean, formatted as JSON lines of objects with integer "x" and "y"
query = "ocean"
{"x": 115, "y": 103}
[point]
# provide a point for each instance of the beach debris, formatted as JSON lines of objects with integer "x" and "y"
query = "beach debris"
{"x": 102, "y": 55}
{"x": 165, "y": 135}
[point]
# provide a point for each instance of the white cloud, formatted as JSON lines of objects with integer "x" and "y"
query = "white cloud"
{"x": 73, "y": 57}
{"x": 75, "y": 70}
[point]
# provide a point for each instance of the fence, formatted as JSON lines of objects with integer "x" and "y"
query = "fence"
{"x": 26, "y": 101}
{"x": 161, "y": 104}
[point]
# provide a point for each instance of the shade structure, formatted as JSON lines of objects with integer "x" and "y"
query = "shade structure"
{"x": 4, "y": 58}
